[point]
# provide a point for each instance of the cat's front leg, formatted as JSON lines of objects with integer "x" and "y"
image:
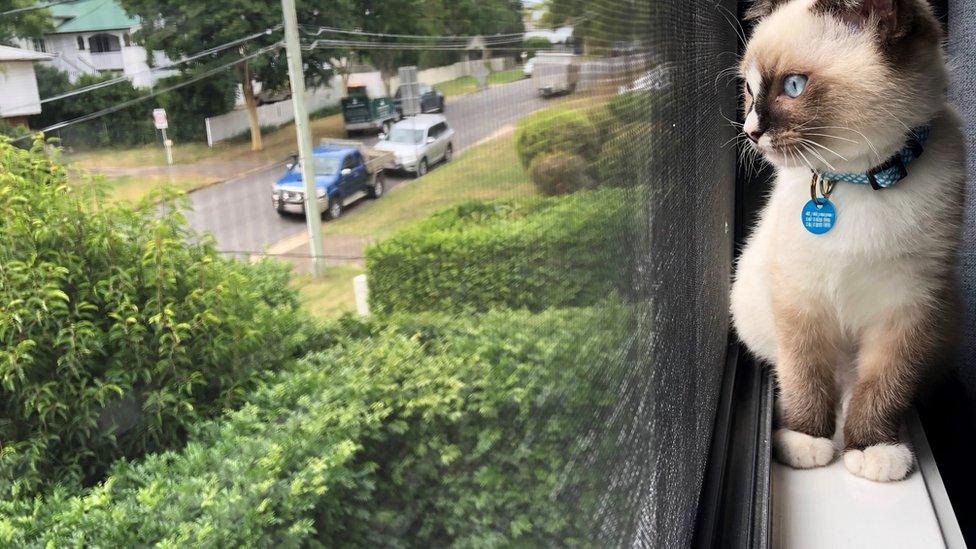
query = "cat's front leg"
{"x": 889, "y": 365}
{"x": 806, "y": 358}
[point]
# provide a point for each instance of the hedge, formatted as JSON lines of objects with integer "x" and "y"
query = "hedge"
{"x": 534, "y": 254}
{"x": 557, "y": 129}
{"x": 559, "y": 173}
{"x": 431, "y": 431}
{"x": 116, "y": 331}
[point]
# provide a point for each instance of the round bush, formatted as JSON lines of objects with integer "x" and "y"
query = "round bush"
{"x": 560, "y": 173}
{"x": 557, "y": 130}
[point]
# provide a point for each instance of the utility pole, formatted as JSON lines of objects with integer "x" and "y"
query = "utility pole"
{"x": 313, "y": 216}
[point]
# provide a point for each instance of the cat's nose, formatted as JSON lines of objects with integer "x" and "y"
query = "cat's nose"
{"x": 754, "y": 135}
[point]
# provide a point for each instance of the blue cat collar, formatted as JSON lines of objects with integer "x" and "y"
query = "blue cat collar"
{"x": 892, "y": 170}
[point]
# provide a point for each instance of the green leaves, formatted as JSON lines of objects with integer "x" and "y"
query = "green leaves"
{"x": 116, "y": 332}
{"x": 532, "y": 254}
{"x": 427, "y": 430}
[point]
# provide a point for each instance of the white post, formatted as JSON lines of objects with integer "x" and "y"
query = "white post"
{"x": 313, "y": 216}
{"x": 361, "y": 289}
{"x": 168, "y": 145}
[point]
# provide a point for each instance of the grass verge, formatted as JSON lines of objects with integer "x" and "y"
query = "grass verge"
{"x": 484, "y": 172}
{"x": 467, "y": 84}
{"x": 278, "y": 143}
{"x": 330, "y": 295}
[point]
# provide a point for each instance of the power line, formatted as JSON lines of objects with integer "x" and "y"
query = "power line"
{"x": 153, "y": 93}
{"x": 320, "y": 30}
{"x": 364, "y": 45}
{"x": 193, "y": 57}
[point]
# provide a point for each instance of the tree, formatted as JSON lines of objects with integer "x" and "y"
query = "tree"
{"x": 23, "y": 24}
{"x": 184, "y": 27}
{"x": 431, "y": 18}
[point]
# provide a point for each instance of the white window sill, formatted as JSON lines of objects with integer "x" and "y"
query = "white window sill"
{"x": 832, "y": 509}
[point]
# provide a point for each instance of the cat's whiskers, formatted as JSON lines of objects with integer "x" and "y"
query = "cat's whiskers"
{"x": 824, "y": 147}
{"x": 819, "y": 156}
{"x": 866, "y": 139}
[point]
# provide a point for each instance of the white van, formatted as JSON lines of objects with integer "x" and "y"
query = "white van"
{"x": 554, "y": 73}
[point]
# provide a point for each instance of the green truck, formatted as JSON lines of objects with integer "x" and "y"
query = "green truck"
{"x": 362, "y": 112}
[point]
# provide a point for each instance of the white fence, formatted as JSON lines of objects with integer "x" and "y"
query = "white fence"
{"x": 235, "y": 123}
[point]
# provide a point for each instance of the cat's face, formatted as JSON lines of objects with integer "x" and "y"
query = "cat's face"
{"x": 836, "y": 84}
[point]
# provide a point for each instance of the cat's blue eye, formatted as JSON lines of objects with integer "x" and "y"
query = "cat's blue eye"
{"x": 794, "y": 85}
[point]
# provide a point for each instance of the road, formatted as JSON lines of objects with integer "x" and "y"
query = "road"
{"x": 238, "y": 212}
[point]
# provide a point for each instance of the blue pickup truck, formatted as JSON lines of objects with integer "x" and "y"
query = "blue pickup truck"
{"x": 344, "y": 173}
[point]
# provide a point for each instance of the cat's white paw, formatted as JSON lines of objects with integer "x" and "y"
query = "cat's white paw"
{"x": 801, "y": 450}
{"x": 881, "y": 462}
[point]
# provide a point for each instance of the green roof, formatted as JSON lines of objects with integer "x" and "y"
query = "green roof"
{"x": 90, "y": 16}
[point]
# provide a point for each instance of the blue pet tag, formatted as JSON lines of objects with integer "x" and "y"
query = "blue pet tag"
{"x": 819, "y": 217}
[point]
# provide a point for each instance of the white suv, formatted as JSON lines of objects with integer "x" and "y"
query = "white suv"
{"x": 418, "y": 142}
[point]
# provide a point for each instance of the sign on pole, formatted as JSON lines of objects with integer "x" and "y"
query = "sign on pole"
{"x": 409, "y": 91}
{"x": 159, "y": 117}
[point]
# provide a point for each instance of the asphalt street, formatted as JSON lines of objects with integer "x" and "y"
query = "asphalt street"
{"x": 238, "y": 212}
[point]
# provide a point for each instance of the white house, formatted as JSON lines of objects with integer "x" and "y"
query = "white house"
{"x": 94, "y": 37}
{"x": 18, "y": 85}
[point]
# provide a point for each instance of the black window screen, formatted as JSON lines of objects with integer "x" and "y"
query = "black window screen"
{"x": 511, "y": 336}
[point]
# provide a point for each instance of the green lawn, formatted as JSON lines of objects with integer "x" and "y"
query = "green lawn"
{"x": 485, "y": 172}
{"x": 468, "y": 84}
{"x": 133, "y": 188}
{"x": 331, "y": 295}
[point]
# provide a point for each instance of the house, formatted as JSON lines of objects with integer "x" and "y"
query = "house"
{"x": 95, "y": 37}
{"x": 18, "y": 85}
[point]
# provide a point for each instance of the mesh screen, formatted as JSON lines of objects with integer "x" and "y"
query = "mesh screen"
{"x": 547, "y": 264}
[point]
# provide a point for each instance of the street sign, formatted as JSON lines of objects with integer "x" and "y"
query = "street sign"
{"x": 409, "y": 91}
{"x": 159, "y": 117}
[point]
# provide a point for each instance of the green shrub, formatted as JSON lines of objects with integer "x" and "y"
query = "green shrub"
{"x": 115, "y": 331}
{"x": 540, "y": 253}
{"x": 432, "y": 432}
{"x": 559, "y": 173}
{"x": 557, "y": 129}
{"x": 636, "y": 106}
{"x": 625, "y": 160}
{"x": 129, "y": 126}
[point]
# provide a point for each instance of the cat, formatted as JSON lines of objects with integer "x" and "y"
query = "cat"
{"x": 850, "y": 296}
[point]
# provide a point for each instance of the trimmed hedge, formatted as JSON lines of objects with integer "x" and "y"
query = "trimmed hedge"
{"x": 431, "y": 431}
{"x": 116, "y": 332}
{"x": 539, "y": 253}
{"x": 557, "y": 129}
{"x": 560, "y": 173}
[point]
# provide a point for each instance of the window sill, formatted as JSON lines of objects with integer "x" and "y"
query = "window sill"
{"x": 830, "y": 508}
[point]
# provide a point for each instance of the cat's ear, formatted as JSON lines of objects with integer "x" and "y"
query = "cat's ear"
{"x": 889, "y": 17}
{"x": 761, "y": 8}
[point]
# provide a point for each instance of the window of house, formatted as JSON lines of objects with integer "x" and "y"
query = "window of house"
{"x": 39, "y": 45}
{"x": 104, "y": 43}
{"x": 81, "y": 42}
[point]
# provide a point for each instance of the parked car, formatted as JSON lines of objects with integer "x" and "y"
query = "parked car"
{"x": 554, "y": 73}
{"x": 417, "y": 143}
{"x": 360, "y": 111}
{"x": 431, "y": 100}
{"x": 655, "y": 79}
{"x": 345, "y": 171}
